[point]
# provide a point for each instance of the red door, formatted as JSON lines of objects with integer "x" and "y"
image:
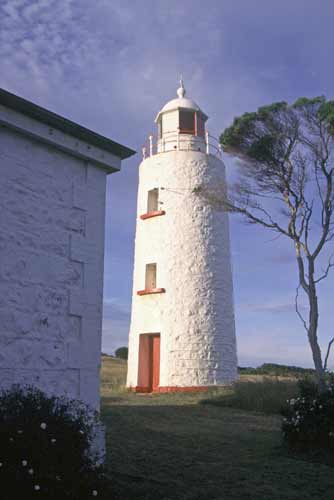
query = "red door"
{"x": 149, "y": 363}
{"x": 155, "y": 362}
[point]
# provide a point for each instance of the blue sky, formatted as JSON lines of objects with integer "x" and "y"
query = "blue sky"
{"x": 110, "y": 65}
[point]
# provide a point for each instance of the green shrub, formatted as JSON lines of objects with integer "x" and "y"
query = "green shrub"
{"x": 277, "y": 370}
{"x": 266, "y": 396}
{"x": 308, "y": 422}
{"x": 122, "y": 353}
{"x": 45, "y": 448}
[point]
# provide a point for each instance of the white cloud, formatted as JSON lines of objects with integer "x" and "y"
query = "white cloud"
{"x": 273, "y": 346}
{"x": 274, "y": 306}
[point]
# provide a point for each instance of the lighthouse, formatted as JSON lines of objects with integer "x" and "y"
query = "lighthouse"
{"x": 182, "y": 332}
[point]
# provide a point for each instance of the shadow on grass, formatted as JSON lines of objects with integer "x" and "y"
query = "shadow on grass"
{"x": 175, "y": 452}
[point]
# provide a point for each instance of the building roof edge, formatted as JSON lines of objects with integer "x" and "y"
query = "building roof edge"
{"x": 67, "y": 126}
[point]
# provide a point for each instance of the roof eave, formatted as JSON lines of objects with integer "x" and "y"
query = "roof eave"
{"x": 69, "y": 127}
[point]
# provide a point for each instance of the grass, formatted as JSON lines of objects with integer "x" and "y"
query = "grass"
{"x": 170, "y": 447}
{"x": 113, "y": 375}
{"x": 267, "y": 395}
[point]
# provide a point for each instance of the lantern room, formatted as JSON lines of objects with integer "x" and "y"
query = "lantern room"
{"x": 181, "y": 123}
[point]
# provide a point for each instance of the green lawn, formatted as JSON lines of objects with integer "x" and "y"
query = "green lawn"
{"x": 172, "y": 447}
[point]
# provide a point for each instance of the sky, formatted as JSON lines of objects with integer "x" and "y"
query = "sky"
{"x": 110, "y": 65}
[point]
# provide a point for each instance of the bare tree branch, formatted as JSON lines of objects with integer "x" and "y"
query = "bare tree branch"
{"x": 329, "y": 266}
{"x": 297, "y": 309}
{"x": 331, "y": 342}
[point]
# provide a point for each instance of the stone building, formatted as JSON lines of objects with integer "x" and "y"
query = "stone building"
{"x": 52, "y": 211}
{"x": 182, "y": 334}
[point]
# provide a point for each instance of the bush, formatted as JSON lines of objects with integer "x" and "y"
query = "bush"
{"x": 277, "y": 370}
{"x": 308, "y": 422}
{"x": 122, "y": 353}
{"x": 267, "y": 396}
{"x": 45, "y": 448}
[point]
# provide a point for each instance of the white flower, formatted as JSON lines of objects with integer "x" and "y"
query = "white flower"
{"x": 53, "y": 440}
{"x": 82, "y": 432}
{"x": 37, "y": 487}
{"x": 11, "y": 439}
{"x": 20, "y": 432}
{"x": 43, "y": 426}
{"x": 94, "y": 493}
{"x": 24, "y": 463}
{"x": 331, "y": 434}
{"x": 0, "y": 464}
{"x": 31, "y": 471}
{"x": 320, "y": 407}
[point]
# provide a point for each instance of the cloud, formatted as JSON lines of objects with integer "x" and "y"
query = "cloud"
{"x": 282, "y": 257}
{"x": 275, "y": 346}
{"x": 274, "y": 307}
{"x": 113, "y": 309}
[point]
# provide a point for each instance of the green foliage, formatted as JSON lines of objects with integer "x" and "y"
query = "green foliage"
{"x": 242, "y": 126}
{"x": 326, "y": 114}
{"x": 304, "y": 102}
{"x": 45, "y": 448}
{"x": 263, "y": 149}
{"x": 265, "y": 111}
{"x": 267, "y": 396}
{"x": 264, "y": 135}
{"x": 122, "y": 353}
{"x": 277, "y": 370}
{"x": 308, "y": 422}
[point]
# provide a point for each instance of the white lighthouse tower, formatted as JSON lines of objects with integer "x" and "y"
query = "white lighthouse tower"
{"x": 182, "y": 334}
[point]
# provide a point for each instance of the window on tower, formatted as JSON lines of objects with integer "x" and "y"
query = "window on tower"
{"x": 160, "y": 128}
{"x": 200, "y": 125}
{"x": 151, "y": 276}
{"x": 151, "y": 281}
{"x": 153, "y": 209}
{"x": 153, "y": 200}
{"x": 187, "y": 122}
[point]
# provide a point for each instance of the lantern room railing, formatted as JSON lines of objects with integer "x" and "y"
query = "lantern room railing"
{"x": 175, "y": 141}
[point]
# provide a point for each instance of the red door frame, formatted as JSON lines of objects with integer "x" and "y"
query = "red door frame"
{"x": 155, "y": 362}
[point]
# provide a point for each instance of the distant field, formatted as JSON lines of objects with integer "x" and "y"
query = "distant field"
{"x": 113, "y": 374}
{"x": 172, "y": 447}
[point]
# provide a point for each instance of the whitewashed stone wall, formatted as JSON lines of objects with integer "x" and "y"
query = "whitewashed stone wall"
{"x": 190, "y": 244}
{"x": 52, "y": 210}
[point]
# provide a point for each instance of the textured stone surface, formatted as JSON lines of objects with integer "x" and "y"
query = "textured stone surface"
{"x": 52, "y": 208}
{"x": 190, "y": 244}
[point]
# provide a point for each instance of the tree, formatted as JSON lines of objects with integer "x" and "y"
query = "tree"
{"x": 285, "y": 184}
{"x": 122, "y": 353}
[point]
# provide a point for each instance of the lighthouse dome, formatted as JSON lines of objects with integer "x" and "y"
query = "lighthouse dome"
{"x": 181, "y": 102}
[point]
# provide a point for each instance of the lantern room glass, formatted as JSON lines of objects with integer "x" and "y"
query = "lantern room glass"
{"x": 187, "y": 122}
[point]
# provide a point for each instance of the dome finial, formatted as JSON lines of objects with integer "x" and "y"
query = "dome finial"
{"x": 181, "y": 91}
